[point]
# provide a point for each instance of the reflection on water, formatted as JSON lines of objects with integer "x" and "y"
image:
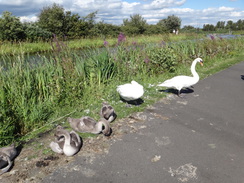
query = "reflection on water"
{"x": 222, "y": 36}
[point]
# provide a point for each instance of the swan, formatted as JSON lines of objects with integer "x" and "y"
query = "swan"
{"x": 108, "y": 112}
{"x": 87, "y": 124}
{"x": 130, "y": 91}
{"x": 68, "y": 143}
{"x": 7, "y": 154}
{"x": 179, "y": 82}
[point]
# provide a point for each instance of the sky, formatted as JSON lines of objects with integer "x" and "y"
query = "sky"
{"x": 191, "y": 12}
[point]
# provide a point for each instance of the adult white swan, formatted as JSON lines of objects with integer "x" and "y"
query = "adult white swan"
{"x": 130, "y": 91}
{"x": 179, "y": 82}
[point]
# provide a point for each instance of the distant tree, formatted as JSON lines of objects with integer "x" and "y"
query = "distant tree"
{"x": 71, "y": 24}
{"x": 11, "y": 28}
{"x": 188, "y": 27}
{"x": 230, "y": 25}
{"x": 89, "y": 22}
{"x": 135, "y": 25}
{"x": 52, "y": 19}
{"x": 240, "y": 24}
{"x": 154, "y": 29}
{"x": 34, "y": 33}
{"x": 63, "y": 23}
{"x": 171, "y": 23}
{"x": 220, "y": 25}
{"x": 106, "y": 30}
{"x": 208, "y": 27}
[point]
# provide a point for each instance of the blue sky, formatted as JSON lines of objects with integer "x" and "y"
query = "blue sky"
{"x": 192, "y": 12}
{"x": 203, "y": 4}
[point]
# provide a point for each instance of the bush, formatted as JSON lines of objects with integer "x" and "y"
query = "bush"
{"x": 35, "y": 33}
{"x": 162, "y": 59}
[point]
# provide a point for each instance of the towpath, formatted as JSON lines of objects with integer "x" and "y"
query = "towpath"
{"x": 198, "y": 138}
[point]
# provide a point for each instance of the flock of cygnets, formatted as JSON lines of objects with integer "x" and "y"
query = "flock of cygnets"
{"x": 69, "y": 143}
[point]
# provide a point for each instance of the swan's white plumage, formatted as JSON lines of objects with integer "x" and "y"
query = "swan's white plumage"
{"x": 179, "y": 82}
{"x": 130, "y": 91}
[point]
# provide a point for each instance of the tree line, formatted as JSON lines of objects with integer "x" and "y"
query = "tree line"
{"x": 54, "y": 20}
{"x": 220, "y": 26}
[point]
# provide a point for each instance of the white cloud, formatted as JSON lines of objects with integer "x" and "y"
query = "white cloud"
{"x": 114, "y": 11}
{"x": 28, "y": 19}
{"x": 159, "y": 4}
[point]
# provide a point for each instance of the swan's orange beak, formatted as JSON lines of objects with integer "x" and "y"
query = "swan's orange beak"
{"x": 201, "y": 63}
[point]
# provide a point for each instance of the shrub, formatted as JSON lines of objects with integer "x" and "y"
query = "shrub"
{"x": 162, "y": 59}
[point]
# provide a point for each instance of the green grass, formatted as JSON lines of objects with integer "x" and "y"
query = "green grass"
{"x": 34, "y": 98}
{"x": 8, "y": 48}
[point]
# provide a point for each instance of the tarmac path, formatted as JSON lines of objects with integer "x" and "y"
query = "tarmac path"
{"x": 198, "y": 139}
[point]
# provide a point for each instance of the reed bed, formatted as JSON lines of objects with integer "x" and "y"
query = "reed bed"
{"x": 16, "y": 48}
{"x": 35, "y": 93}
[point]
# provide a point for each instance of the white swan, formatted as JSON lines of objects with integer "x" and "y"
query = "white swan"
{"x": 130, "y": 91}
{"x": 68, "y": 143}
{"x": 179, "y": 82}
{"x": 7, "y": 154}
{"x": 87, "y": 124}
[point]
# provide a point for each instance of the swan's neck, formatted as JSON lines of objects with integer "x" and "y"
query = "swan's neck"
{"x": 193, "y": 70}
{"x": 67, "y": 139}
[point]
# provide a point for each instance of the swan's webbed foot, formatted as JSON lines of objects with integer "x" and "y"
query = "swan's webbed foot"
{"x": 180, "y": 95}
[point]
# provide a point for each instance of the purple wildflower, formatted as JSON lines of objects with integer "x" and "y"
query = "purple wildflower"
{"x": 105, "y": 43}
{"x": 212, "y": 37}
{"x": 121, "y": 38}
{"x": 134, "y": 43}
{"x": 146, "y": 60}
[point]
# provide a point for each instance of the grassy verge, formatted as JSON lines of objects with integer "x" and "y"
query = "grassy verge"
{"x": 36, "y": 97}
{"x": 39, "y": 47}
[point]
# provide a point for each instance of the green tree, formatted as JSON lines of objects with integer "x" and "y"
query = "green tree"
{"x": 188, "y": 27}
{"x": 52, "y": 19}
{"x": 171, "y": 23}
{"x": 11, "y": 28}
{"x": 106, "y": 30}
{"x": 208, "y": 27}
{"x": 230, "y": 25}
{"x": 220, "y": 25}
{"x": 71, "y": 25}
{"x": 240, "y": 24}
{"x": 135, "y": 25}
{"x": 35, "y": 33}
{"x": 154, "y": 29}
{"x": 90, "y": 23}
